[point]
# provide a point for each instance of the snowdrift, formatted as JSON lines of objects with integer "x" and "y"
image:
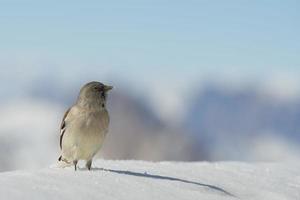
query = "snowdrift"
{"x": 163, "y": 180}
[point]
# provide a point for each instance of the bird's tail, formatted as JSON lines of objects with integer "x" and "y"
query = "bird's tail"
{"x": 62, "y": 162}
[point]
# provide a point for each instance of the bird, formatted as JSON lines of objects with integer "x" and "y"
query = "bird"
{"x": 85, "y": 125}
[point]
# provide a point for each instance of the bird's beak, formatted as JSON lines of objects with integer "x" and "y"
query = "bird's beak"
{"x": 108, "y": 87}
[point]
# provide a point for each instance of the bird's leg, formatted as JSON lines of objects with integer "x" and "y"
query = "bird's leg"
{"x": 89, "y": 164}
{"x": 75, "y": 164}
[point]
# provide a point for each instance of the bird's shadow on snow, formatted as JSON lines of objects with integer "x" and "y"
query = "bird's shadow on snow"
{"x": 147, "y": 175}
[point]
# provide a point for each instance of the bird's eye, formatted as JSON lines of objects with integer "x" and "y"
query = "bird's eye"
{"x": 95, "y": 88}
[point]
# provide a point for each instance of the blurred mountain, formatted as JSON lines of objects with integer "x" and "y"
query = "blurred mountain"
{"x": 220, "y": 124}
{"x": 228, "y": 122}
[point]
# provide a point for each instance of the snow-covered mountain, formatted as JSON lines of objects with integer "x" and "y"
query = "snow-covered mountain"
{"x": 163, "y": 180}
{"x": 219, "y": 125}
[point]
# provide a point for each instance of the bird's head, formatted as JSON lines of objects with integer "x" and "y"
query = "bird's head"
{"x": 94, "y": 94}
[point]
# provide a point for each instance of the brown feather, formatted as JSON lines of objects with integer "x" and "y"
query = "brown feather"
{"x": 63, "y": 127}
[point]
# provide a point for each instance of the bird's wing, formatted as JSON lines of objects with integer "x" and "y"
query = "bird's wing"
{"x": 63, "y": 127}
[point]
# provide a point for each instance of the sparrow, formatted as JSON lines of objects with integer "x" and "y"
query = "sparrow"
{"x": 85, "y": 125}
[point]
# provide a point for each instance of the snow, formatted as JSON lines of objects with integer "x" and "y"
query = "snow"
{"x": 160, "y": 180}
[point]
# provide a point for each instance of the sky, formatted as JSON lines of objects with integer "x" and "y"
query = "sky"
{"x": 169, "y": 45}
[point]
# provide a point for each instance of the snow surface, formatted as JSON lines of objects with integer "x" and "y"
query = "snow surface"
{"x": 162, "y": 180}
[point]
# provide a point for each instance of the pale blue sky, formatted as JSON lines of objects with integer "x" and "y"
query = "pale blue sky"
{"x": 140, "y": 39}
